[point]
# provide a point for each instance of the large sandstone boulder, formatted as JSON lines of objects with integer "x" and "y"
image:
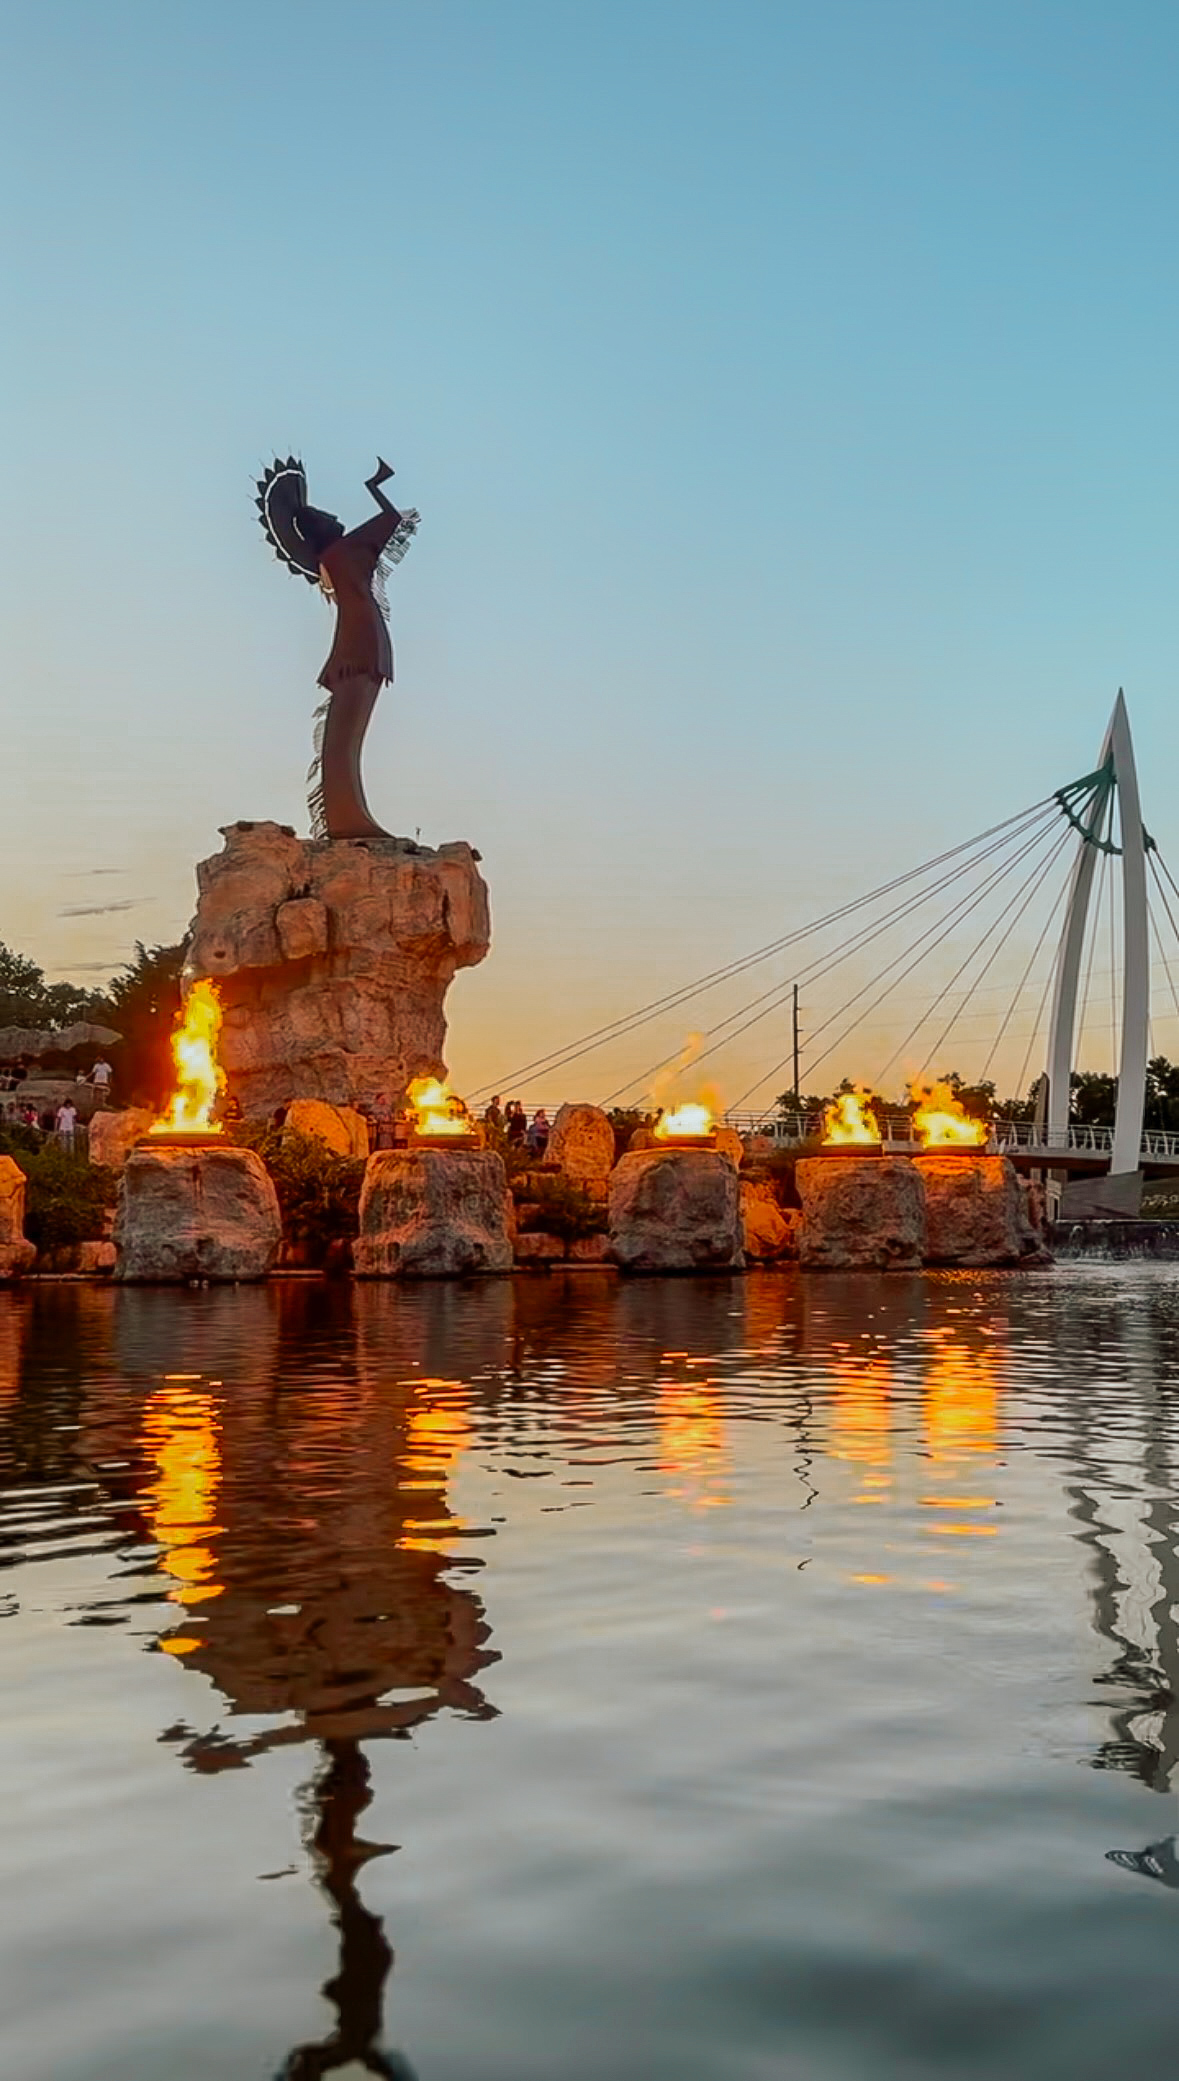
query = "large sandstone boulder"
{"x": 112, "y": 1136}
{"x": 581, "y": 1144}
{"x": 729, "y": 1142}
{"x": 675, "y": 1210}
{"x": 433, "y": 1213}
{"x": 196, "y": 1214}
{"x": 339, "y": 1128}
{"x": 16, "y": 1252}
{"x": 860, "y": 1212}
{"x": 333, "y": 958}
{"x": 976, "y": 1209}
{"x": 767, "y": 1232}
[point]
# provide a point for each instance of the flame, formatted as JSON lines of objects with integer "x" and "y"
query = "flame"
{"x": 438, "y": 1109}
{"x": 941, "y": 1121}
{"x": 199, "y": 1075}
{"x": 694, "y": 1117}
{"x": 851, "y": 1118}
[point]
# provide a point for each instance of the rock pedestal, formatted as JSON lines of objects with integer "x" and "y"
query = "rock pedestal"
{"x": 112, "y": 1136}
{"x": 433, "y": 1214}
{"x": 675, "y": 1210}
{"x": 860, "y": 1212}
{"x": 196, "y": 1214}
{"x": 333, "y": 958}
{"x": 581, "y": 1144}
{"x": 975, "y": 1209}
{"x": 16, "y": 1252}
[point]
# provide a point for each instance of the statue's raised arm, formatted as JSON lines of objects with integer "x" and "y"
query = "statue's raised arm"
{"x": 350, "y": 568}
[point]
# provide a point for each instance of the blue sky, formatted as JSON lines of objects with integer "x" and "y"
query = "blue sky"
{"x": 789, "y": 396}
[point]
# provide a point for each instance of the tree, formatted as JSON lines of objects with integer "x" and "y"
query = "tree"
{"x": 144, "y": 1001}
{"x": 1093, "y": 1098}
{"x": 26, "y": 999}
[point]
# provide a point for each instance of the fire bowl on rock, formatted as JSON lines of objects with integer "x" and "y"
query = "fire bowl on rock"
{"x": 444, "y": 1141}
{"x": 685, "y": 1141}
{"x": 183, "y": 1138}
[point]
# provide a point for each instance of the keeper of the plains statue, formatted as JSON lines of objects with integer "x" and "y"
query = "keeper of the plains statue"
{"x": 350, "y": 568}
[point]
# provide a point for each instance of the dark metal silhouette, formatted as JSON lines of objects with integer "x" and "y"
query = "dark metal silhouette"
{"x": 350, "y": 569}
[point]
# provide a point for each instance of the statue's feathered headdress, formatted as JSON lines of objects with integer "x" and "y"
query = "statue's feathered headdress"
{"x": 282, "y": 497}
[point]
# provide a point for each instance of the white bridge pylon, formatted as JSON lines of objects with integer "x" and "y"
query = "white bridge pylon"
{"x": 1117, "y": 762}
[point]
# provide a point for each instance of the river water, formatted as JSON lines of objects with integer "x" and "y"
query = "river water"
{"x": 673, "y": 1681}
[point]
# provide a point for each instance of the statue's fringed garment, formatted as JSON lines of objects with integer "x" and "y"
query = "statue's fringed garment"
{"x": 391, "y": 556}
{"x": 316, "y": 807}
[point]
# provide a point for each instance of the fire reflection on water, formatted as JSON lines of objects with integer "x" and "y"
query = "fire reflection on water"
{"x": 693, "y": 1448}
{"x": 180, "y": 1443}
{"x": 960, "y": 1413}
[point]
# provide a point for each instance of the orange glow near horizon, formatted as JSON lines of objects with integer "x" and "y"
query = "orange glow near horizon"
{"x": 199, "y": 1076}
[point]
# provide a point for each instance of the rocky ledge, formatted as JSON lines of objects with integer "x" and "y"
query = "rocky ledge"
{"x": 333, "y": 958}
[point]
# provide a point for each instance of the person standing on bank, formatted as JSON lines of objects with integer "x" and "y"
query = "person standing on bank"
{"x": 65, "y": 1122}
{"x": 350, "y": 569}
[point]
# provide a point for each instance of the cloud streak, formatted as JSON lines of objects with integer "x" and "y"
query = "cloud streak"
{"x": 101, "y": 910}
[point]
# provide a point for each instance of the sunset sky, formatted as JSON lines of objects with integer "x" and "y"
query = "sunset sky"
{"x": 789, "y": 394}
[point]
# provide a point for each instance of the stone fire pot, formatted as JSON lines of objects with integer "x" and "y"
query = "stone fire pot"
{"x": 861, "y": 1213}
{"x": 196, "y": 1214}
{"x": 433, "y": 1214}
{"x": 675, "y": 1210}
{"x": 975, "y": 1208}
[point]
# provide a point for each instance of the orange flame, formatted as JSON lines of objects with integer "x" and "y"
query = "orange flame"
{"x": 851, "y": 1118}
{"x": 438, "y": 1109}
{"x": 941, "y": 1121}
{"x": 199, "y": 1075}
{"x": 692, "y": 1118}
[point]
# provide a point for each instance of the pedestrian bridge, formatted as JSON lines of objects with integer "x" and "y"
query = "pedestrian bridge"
{"x": 1083, "y": 1150}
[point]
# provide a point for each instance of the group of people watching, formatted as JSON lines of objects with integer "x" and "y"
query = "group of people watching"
{"x": 59, "y": 1121}
{"x": 510, "y": 1123}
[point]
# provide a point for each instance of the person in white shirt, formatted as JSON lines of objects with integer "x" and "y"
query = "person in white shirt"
{"x": 100, "y": 1078}
{"x": 65, "y": 1121}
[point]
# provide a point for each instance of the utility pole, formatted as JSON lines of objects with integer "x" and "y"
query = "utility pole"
{"x": 797, "y": 1099}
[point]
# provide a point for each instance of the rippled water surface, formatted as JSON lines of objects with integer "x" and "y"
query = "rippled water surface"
{"x": 679, "y": 1680}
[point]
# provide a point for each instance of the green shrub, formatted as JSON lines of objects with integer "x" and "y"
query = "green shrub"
{"x": 318, "y": 1191}
{"x": 67, "y": 1197}
{"x": 563, "y": 1209}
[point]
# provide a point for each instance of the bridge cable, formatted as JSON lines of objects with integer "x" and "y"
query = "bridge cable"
{"x": 614, "y": 1028}
{"x": 1021, "y": 987}
{"x": 923, "y": 946}
{"x": 1094, "y": 935}
{"x": 822, "y": 966}
{"x": 826, "y": 964}
{"x": 1037, "y": 877}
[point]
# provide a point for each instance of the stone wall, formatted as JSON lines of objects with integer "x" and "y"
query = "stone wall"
{"x": 333, "y": 958}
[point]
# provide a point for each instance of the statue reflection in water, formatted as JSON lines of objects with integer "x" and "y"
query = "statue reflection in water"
{"x": 303, "y": 1518}
{"x": 339, "y": 1795}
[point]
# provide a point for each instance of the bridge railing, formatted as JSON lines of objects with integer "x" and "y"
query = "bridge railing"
{"x": 789, "y": 1129}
